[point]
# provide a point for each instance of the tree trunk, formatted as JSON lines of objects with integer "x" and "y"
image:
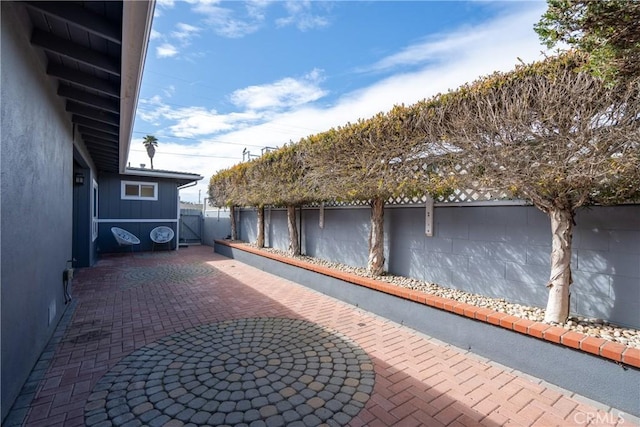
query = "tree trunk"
{"x": 232, "y": 217}
{"x": 151, "y": 151}
{"x": 260, "y": 238}
{"x": 294, "y": 244}
{"x": 375, "y": 265}
{"x": 560, "y": 278}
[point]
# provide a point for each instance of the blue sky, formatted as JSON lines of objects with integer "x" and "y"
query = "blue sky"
{"x": 221, "y": 76}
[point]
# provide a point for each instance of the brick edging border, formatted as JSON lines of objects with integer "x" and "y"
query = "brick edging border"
{"x": 597, "y": 346}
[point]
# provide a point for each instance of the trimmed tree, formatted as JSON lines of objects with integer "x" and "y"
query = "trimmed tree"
{"x": 282, "y": 171}
{"x": 225, "y": 189}
{"x": 372, "y": 160}
{"x": 608, "y": 30}
{"x": 250, "y": 193}
{"x": 549, "y": 133}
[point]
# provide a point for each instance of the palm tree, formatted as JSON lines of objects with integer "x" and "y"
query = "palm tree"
{"x": 150, "y": 142}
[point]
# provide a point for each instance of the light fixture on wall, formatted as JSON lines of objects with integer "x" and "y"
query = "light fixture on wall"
{"x": 78, "y": 178}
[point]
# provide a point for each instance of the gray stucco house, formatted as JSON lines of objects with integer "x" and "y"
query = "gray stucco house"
{"x": 70, "y": 82}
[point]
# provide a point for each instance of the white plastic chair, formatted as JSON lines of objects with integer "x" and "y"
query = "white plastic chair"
{"x": 124, "y": 238}
{"x": 160, "y": 235}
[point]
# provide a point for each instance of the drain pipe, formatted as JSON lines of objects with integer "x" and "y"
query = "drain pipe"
{"x": 191, "y": 184}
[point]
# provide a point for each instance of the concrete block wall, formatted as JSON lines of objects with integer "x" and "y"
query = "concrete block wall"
{"x": 276, "y": 229}
{"x": 607, "y": 264}
{"x": 498, "y": 251}
{"x": 217, "y": 225}
{"x": 485, "y": 250}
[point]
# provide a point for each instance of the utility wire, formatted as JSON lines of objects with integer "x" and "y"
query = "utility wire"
{"x": 217, "y": 141}
{"x": 190, "y": 155}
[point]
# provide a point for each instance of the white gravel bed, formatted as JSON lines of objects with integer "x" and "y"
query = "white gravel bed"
{"x": 589, "y": 326}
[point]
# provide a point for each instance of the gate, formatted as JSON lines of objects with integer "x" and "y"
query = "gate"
{"x": 190, "y": 226}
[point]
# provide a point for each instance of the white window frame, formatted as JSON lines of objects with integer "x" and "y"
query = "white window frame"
{"x": 123, "y": 185}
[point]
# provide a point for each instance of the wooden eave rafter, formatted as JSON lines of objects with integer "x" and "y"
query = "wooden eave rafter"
{"x": 94, "y": 124}
{"x": 82, "y": 18}
{"x": 85, "y": 80}
{"x": 73, "y": 51}
{"x": 93, "y": 113}
{"x": 102, "y": 143}
{"x": 88, "y": 132}
{"x": 107, "y": 104}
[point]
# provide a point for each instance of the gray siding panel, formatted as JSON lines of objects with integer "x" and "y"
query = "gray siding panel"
{"x": 37, "y": 200}
{"x": 112, "y": 209}
{"x": 112, "y": 206}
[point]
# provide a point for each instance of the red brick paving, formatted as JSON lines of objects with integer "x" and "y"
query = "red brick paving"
{"x": 419, "y": 381}
{"x": 597, "y": 346}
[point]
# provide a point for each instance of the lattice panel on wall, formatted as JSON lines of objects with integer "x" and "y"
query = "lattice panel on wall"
{"x": 458, "y": 196}
{"x": 336, "y": 203}
{"x": 476, "y": 193}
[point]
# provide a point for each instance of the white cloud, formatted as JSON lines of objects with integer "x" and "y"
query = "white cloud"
{"x": 288, "y": 92}
{"x": 230, "y": 23}
{"x": 166, "y": 50}
{"x": 445, "y": 48}
{"x": 169, "y": 91}
{"x": 167, "y": 4}
{"x": 303, "y": 22}
{"x": 196, "y": 121}
{"x": 256, "y": 8}
{"x": 154, "y": 35}
{"x": 433, "y": 49}
{"x": 151, "y": 110}
{"x": 188, "y": 121}
{"x": 184, "y": 32}
{"x": 161, "y": 5}
{"x": 301, "y": 16}
{"x": 203, "y": 3}
{"x": 222, "y": 22}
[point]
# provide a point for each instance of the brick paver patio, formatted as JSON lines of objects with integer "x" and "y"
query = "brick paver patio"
{"x": 194, "y": 338}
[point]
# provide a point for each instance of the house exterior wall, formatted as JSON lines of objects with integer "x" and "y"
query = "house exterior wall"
{"x": 36, "y": 207}
{"x": 136, "y": 216}
{"x": 498, "y": 251}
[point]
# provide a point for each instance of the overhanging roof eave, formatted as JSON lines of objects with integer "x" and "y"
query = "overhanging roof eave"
{"x": 134, "y": 51}
{"x": 180, "y": 177}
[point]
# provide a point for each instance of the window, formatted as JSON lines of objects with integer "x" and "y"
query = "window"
{"x": 134, "y": 190}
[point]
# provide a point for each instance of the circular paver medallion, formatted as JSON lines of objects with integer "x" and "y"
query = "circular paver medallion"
{"x": 164, "y": 275}
{"x": 254, "y": 372}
